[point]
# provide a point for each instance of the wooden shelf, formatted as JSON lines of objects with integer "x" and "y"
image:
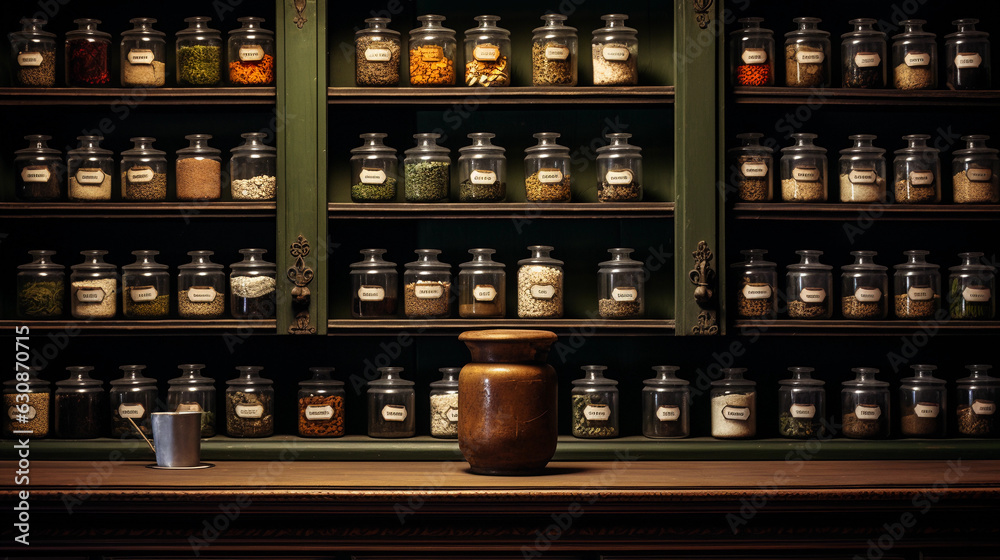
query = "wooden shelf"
{"x": 409, "y": 96}
{"x": 509, "y": 210}
{"x": 160, "y": 326}
{"x": 838, "y": 211}
{"x": 451, "y": 327}
{"x": 175, "y": 210}
{"x": 865, "y": 97}
{"x": 843, "y": 327}
{"x": 53, "y": 97}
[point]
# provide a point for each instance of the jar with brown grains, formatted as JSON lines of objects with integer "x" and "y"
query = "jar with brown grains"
{"x": 756, "y": 287}
{"x": 481, "y": 286}
{"x": 144, "y": 171}
{"x": 916, "y": 287}
{"x": 427, "y": 286}
{"x": 547, "y": 170}
{"x": 145, "y": 287}
{"x": 554, "y": 53}
{"x": 914, "y": 57}
{"x": 976, "y": 172}
{"x": 199, "y": 169}
{"x": 862, "y": 171}
{"x": 865, "y": 288}
{"x": 807, "y": 55}
{"x": 33, "y": 54}
{"x": 201, "y": 287}
{"x": 750, "y": 169}
{"x": 865, "y": 406}
{"x": 321, "y": 405}
{"x": 923, "y": 404}
{"x": 621, "y": 290}
{"x": 377, "y": 50}
{"x": 976, "y": 407}
{"x": 143, "y": 55}
{"x": 810, "y": 287}
{"x": 917, "y": 172}
{"x": 90, "y": 170}
{"x": 249, "y": 404}
{"x": 26, "y": 401}
{"x": 803, "y": 170}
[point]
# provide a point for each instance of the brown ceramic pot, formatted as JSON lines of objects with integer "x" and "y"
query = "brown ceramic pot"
{"x": 507, "y": 418}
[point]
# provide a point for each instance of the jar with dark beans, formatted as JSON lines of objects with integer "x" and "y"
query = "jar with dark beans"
{"x": 666, "y": 405}
{"x": 80, "y": 405}
{"x": 967, "y": 57}
{"x": 863, "y": 55}
{"x": 374, "y": 286}
{"x": 39, "y": 171}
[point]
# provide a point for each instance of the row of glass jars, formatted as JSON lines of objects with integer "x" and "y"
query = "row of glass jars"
{"x": 145, "y": 287}
{"x": 433, "y": 53}
{"x": 86, "y": 176}
{"x": 200, "y": 61}
{"x": 427, "y": 286}
{"x": 863, "y": 56}
{"x": 482, "y": 170}
{"x": 862, "y": 171}
{"x": 917, "y": 291}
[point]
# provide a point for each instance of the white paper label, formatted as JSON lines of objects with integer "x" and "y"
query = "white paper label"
{"x": 802, "y": 411}
{"x": 35, "y": 174}
{"x": 428, "y": 291}
{"x": 917, "y": 59}
{"x": 968, "y": 60}
{"x": 140, "y": 175}
{"x": 556, "y": 52}
{"x": 810, "y": 57}
{"x": 451, "y": 415}
{"x": 251, "y": 53}
{"x": 624, "y": 294}
{"x": 805, "y": 174}
{"x": 754, "y": 56}
{"x": 550, "y": 176}
{"x": 920, "y": 293}
{"x": 372, "y": 176}
{"x": 480, "y": 177}
{"x": 378, "y": 54}
{"x": 21, "y": 417}
{"x": 753, "y": 169}
{"x": 812, "y": 295}
{"x": 756, "y": 292}
{"x": 131, "y": 410}
{"x": 976, "y": 295}
{"x": 921, "y": 178}
{"x": 140, "y": 56}
{"x": 740, "y": 413}
{"x": 29, "y": 59}
{"x": 143, "y": 293}
{"x": 867, "y": 412}
{"x": 927, "y": 410}
{"x": 249, "y": 410}
{"x": 484, "y": 293}
{"x": 977, "y": 174}
{"x": 868, "y": 295}
{"x": 615, "y": 54}
{"x": 89, "y": 176}
{"x": 371, "y": 293}
{"x": 867, "y": 60}
{"x": 318, "y": 412}
{"x": 618, "y": 177}
{"x": 488, "y": 53}
{"x": 201, "y": 294}
{"x": 188, "y": 407}
{"x": 862, "y": 176}
{"x": 394, "y": 413}
{"x": 668, "y": 413}
{"x": 90, "y": 295}
{"x": 597, "y": 412}
{"x": 983, "y": 407}
{"x": 543, "y": 291}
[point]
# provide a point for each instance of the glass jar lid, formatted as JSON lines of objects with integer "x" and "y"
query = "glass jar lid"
{"x": 971, "y": 263}
{"x": 754, "y": 258}
{"x": 251, "y": 29}
{"x": 863, "y": 29}
{"x": 916, "y": 261}
{"x": 41, "y": 261}
{"x": 750, "y": 141}
{"x": 142, "y": 28}
{"x": 143, "y": 146}
{"x": 593, "y": 376}
{"x": 808, "y": 28}
{"x": 321, "y": 379}
{"x": 449, "y": 379}
{"x": 913, "y": 29}
{"x": 865, "y": 378}
{"x": 79, "y": 376}
{"x": 427, "y": 144}
{"x": 372, "y": 261}
{"x": 620, "y": 259}
{"x": 93, "y": 261}
{"x": 200, "y": 260}
{"x": 87, "y": 29}
{"x": 917, "y": 145}
{"x": 373, "y": 145}
{"x": 979, "y": 376}
{"x": 618, "y": 144}
{"x": 481, "y": 146}
{"x": 733, "y": 378}
{"x": 89, "y": 146}
{"x": 389, "y": 378}
{"x": 546, "y": 145}
{"x": 198, "y": 147}
{"x": 803, "y": 144}
{"x": 253, "y": 259}
{"x": 482, "y": 258}
{"x": 197, "y": 28}
{"x": 191, "y": 376}
{"x": 666, "y": 376}
{"x": 31, "y": 31}
{"x": 614, "y": 24}
{"x": 751, "y": 28}
{"x": 862, "y": 146}
{"x": 801, "y": 377}
{"x": 431, "y": 24}
{"x": 923, "y": 374}
{"x": 378, "y": 26}
{"x": 966, "y": 30}
{"x": 864, "y": 262}
{"x": 34, "y": 382}
{"x": 487, "y": 29}
{"x": 554, "y": 23}
{"x": 540, "y": 256}
{"x": 975, "y": 144}
{"x": 145, "y": 261}
{"x": 253, "y": 145}
{"x": 427, "y": 259}
{"x": 132, "y": 377}
{"x": 38, "y": 145}
{"x": 809, "y": 260}
{"x": 249, "y": 376}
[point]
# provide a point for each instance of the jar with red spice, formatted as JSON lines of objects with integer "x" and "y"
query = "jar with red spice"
{"x": 88, "y": 61}
{"x": 752, "y": 54}
{"x": 251, "y": 54}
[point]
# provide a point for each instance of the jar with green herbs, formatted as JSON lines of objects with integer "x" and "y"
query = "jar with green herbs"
{"x": 917, "y": 287}
{"x": 976, "y": 406}
{"x": 374, "y": 170}
{"x": 923, "y": 404}
{"x": 554, "y": 52}
{"x": 145, "y": 287}
{"x": 90, "y": 170}
{"x": 41, "y": 287}
{"x": 33, "y": 54}
{"x": 144, "y": 171}
{"x": 865, "y": 406}
{"x": 249, "y": 404}
{"x": 199, "y": 54}
{"x": 81, "y": 405}
{"x": 193, "y": 392}
{"x": 970, "y": 288}
{"x": 93, "y": 287}
{"x": 427, "y": 170}
{"x": 482, "y": 170}
{"x": 143, "y": 55}
{"x": 133, "y": 397}
{"x": 201, "y": 287}
{"x": 594, "y": 404}
{"x": 801, "y": 405}
{"x": 666, "y": 404}
{"x": 27, "y": 403}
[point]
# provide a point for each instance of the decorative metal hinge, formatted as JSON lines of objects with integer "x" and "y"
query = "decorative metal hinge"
{"x": 701, "y": 13}
{"x": 300, "y": 6}
{"x": 301, "y": 276}
{"x": 703, "y": 277}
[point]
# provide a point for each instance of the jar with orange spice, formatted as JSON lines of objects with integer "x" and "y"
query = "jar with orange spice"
{"x": 432, "y": 53}
{"x": 251, "y": 54}
{"x": 752, "y": 54}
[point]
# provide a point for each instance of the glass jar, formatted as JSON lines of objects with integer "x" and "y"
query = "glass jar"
{"x": 595, "y": 404}
{"x": 144, "y": 171}
{"x": 33, "y": 55}
{"x": 862, "y": 171}
{"x": 88, "y": 55}
{"x": 374, "y": 286}
{"x": 487, "y": 54}
{"x": 199, "y": 54}
{"x": 253, "y": 168}
{"x": 619, "y": 170}
{"x": 376, "y": 50}
{"x": 145, "y": 287}
{"x": 444, "y": 404}
{"x": 865, "y": 287}
{"x": 249, "y": 404}
{"x": 914, "y": 57}
{"x": 863, "y": 55}
{"x": 251, "y": 54}
{"x": 481, "y": 286}
{"x": 427, "y": 170}
{"x": 540, "y": 285}
{"x": 918, "y": 172}
{"x": 482, "y": 168}
{"x": 615, "y": 53}
{"x": 134, "y": 397}
{"x": 803, "y": 170}
{"x": 41, "y": 287}
{"x": 26, "y": 403}
{"x": 321, "y": 405}
{"x": 427, "y": 286}
{"x": 865, "y": 406}
{"x": 80, "y": 405}
{"x": 199, "y": 169}
{"x": 807, "y": 55}
{"x": 192, "y": 392}
{"x": 801, "y": 405}
{"x": 391, "y": 403}
{"x": 967, "y": 56}
{"x": 38, "y": 171}
{"x": 734, "y": 406}
{"x": 201, "y": 287}
{"x": 976, "y": 172}
{"x": 90, "y": 170}
{"x": 432, "y": 53}
{"x": 144, "y": 55}
{"x": 923, "y": 404}
{"x": 93, "y": 287}
{"x": 252, "y": 285}
{"x": 970, "y": 288}
{"x": 547, "y": 170}
{"x": 374, "y": 170}
{"x": 810, "y": 287}
{"x": 917, "y": 287}
{"x": 751, "y": 54}
{"x": 554, "y": 52}
{"x": 757, "y": 286}
{"x": 977, "y": 403}
{"x": 666, "y": 405}
{"x": 750, "y": 171}
{"x": 621, "y": 286}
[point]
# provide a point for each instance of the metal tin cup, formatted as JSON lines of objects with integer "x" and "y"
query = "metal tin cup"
{"x": 177, "y": 437}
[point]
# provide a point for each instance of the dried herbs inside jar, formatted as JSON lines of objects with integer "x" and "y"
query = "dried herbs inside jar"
{"x": 321, "y": 416}
{"x": 860, "y": 428}
{"x": 426, "y": 181}
{"x": 802, "y": 428}
{"x": 805, "y": 66}
{"x": 41, "y": 299}
{"x": 198, "y": 65}
{"x": 970, "y": 423}
{"x": 547, "y": 185}
{"x": 249, "y": 414}
{"x": 592, "y": 417}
